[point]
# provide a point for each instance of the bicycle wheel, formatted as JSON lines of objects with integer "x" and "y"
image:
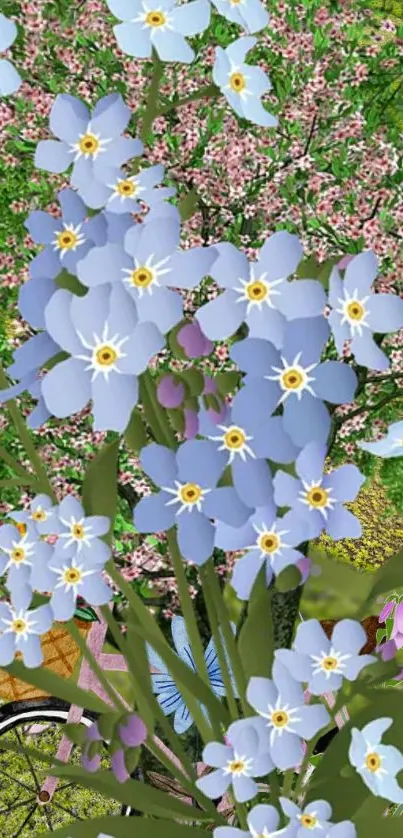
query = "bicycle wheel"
{"x": 39, "y": 723}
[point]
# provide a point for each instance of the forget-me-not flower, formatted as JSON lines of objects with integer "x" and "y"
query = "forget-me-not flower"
{"x": 313, "y": 821}
{"x": 21, "y": 630}
{"x": 41, "y": 510}
{"x": 377, "y": 764}
{"x": 10, "y": 80}
{"x": 317, "y": 497}
{"x": 250, "y": 14}
{"x": 189, "y": 496}
{"x": 322, "y": 663}
{"x": 241, "y": 84}
{"x": 123, "y": 192}
{"x": 78, "y": 533}
{"x": 159, "y": 24}
{"x": 19, "y": 553}
{"x": 390, "y": 446}
{"x": 357, "y": 311}
{"x": 262, "y": 820}
{"x": 67, "y": 578}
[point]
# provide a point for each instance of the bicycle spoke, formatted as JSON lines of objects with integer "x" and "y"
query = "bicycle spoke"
{"x": 66, "y": 786}
{"x": 16, "y": 834}
{"x": 19, "y": 782}
{"x": 68, "y": 811}
{"x": 47, "y": 818}
{"x": 31, "y": 768}
{"x": 16, "y": 806}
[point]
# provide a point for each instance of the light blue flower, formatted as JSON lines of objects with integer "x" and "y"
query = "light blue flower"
{"x": 161, "y": 25}
{"x": 313, "y": 821}
{"x": 281, "y": 702}
{"x": 377, "y": 764}
{"x": 322, "y": 663}
{"x": 10, "y": 80}
{"x": 164, "y": 686}
{"x": 250, "y": 14}
{"x": 21, "y": 630}
{"x": 236, "y": 763}
{"x": 390, "y": 446}
{"x": 241, "y": 84}
{"x": 40, "y": 511}
{"x": 77, "y": 533}
{"x": 69, "y": 578}
{"x": 123, "y": 192}
{"x": 262, "y": 820}
{"x": 19, "y": 554}
{"x": 357, "y": 311}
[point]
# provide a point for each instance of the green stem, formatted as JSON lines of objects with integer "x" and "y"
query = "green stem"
{"x": 232, "y": 649}
{"x": 4, "y": 455}
{"x": 208, "y": 92}
{"x": 81, "y": 643}
{"x": 151, "y": 111}
{"x": 215, "y": 630}
{"x": 304, "y": 766}
{"x": 155, "y": 414}
{"x": 287, "y": 784}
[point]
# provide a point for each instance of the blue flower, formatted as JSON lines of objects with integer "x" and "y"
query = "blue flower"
{"x": 67, "y": 578}
{"x": 237, "y": 762}
{"x": 317, "y": 497}
{"x": 390, "y": 446}
{"x": 77, "y": 533}
{"x": 41, "y": 510}
{"x": 321, "y": 663}
{"x": 109, "y": 349}
{"x": 127, "y": 190}
{"x": 147, "y": 265}
{"x": 357, "y": 312}
{"x": 313, "y": 820}
{"x": 19, "y": 554}
{"x": 262, "y": 820}
{"x": 169, "y": 696}
{"x": 289, "y": 719}
{"x": 92, "y": 143}
{"x": 20, "y": 631}
{"x": 31, "y": 384}
{"x": 68, "y": 238}
{"x": 188, "y": 497}
{"x": 268, "y": 540}
{"x": 10, "y": 80}
{"x": 377, "y": 764}
{"x": 297, "y": 379}
{"x": 257, "y": 293}
{"x": 160, "y": 25}
{"x": 344, "y": 829}
{"x": 241, "y": 84}
{"x": 250, "y": 14}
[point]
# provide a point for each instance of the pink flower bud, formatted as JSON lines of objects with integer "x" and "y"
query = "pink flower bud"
{"x": 118, "y": 766}
{"x": 193, "y": 342}
{"x": 386, "y": 610}
{"x": 134, "y": 732}
{"x": 170, "y": 393}
{"x": 398, "y": 623}
{"x": 345, "y": 261}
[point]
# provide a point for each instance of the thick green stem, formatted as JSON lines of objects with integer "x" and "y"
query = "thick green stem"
{"x": 151, "y": 111}
{"x": 208, "y": 92}
{"x": 155, "y": 414}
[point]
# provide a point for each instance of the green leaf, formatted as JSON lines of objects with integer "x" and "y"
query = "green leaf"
{"x": 256, "y": 637}
{"x": 99, "y": 492}
{"x": 234, "y": 605}
{"x": 193, "y": 380}
{"x": 71, "y": 283}
{"x": 288, "y": 579}
{"x": 132, "y": 756}
{"x": 227, "y": 382}
{"x": 106, "y": 724}
{"x": 136, "y": 434}
{"x": 119, "y": 826}
{"x": 85, "y": 613}
{"x": 57, "y": 686}
{"x": 388, "y": 578}
{"x": 76, "y": 733}
{"x": 177, "y": 419}
{"x": 188, "y": 205}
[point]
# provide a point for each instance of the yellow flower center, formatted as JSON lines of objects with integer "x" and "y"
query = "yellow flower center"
{"x": 308, "y": 820}
{"x": 77, "y": 531}
{"x": 292, "y": 379}
{"x": 330, "y": 663}
{"x": 106, "y": 356}
{"x": 279, "y": 718}
{"x": 373, "y": 762}
{"x": 142, "y": 277}
{"x": 256, "y": 291}
{"x": 234, "y": 438}
{"x": 317, "y": 497}
{"x": 237, "y": 766}
{"x": 126, "y": 187}
{"x": 237, "y": 82}
{"x": 18, "y": 555}
{"x": 355, "y": 310}
{"x": 269, "y": 542}
{"x": 88, "y": 144}
{"x": 22, "y": 528}
{"x": 38, "y": 515}
{"x": 190, "y": 493}
{"x": 66, "y": 240}
{"x": 155, "y": 19}
{"x": 72, "y": 575}
{"x": 19, "y": 626}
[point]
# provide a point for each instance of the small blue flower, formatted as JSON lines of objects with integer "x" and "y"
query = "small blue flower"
{"x": 188, "y": 497}
{"x": 19, "y": 554}
{"x": 322, "y": 663}
{"x": 258, "y": 293}
{"x": 10, "y": 80}
{"x": 128, "y": 190}
{"x": 377, "y": 764}
{"x": 77, "y": 533}
{"x": 289, "y": 719}
{"x": 390, "y": 446}
{"x": 268, "y": 540}
{"x": 93, "y": 144}
{"x": 68, "y": 238}
{"x": 241, "y": 84}
{"x": 344, "y": 829}
{"x": 67, "y": 578}
{"x": 318, "y": 498}
{"x": 297, "y": 378}
{"x": 161, "y": 25}
{"x": 357, "y": 312}
{"x": 20, "y": 631}
{"x": 313, "y": 820}
{"x": 32, "y": 385}
{"x": 250, "y": 14}
{"x": 236, "y": 762}
{"x": 109, "y": 349}
{"x": 262, "y": 820}
{"x": 40, "y": 511}
{"x": 169, "y": 696}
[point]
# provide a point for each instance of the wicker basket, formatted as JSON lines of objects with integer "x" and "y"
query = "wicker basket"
{"x": 60, "y": 656}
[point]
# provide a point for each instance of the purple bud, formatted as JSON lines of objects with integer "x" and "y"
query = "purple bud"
{"x": 193, "y": 342}
{"x": 91, "y": 765}
{"x": 304, "y": 566}
{"x": 191, "y": 423}
{"x": 345, "y": 261}
{"x": 387, "y": 650}
{"x": 386, "y": 610}
{"x": 92, "y": 733}
{"x": 398, "y": 623}
{"x": 134, "y": 732}
{"x": 210, "y": 387}
{"x": 217, "y": 417}
{"x": 170, "y": 393}
{"x": 118, "y": 766}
